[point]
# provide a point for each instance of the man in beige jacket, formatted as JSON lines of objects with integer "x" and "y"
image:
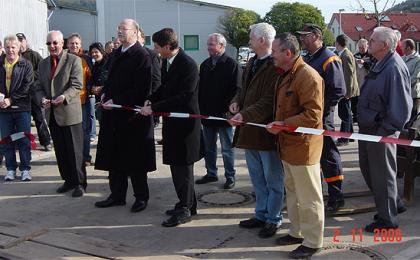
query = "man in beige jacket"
{"x": 58, "y": 88}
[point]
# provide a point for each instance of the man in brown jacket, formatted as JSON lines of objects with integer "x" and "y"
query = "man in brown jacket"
{"x": 254, "y": 103}
{"x": 300, "y": 102}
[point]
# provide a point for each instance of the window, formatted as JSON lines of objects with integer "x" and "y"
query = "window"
{"x": 191, "y": 43}
{"x": 148, "y": 41}
{"x": 412, "y": 28}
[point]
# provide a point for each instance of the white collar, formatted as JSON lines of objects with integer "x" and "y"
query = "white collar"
{"x": 171, "y": 59}
{"x": 125, "y": 49}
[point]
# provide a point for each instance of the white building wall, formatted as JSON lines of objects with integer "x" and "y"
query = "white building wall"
{"x": 335, "y": 28}
{"x": 27, "y": 16}
{"x": 71, "y": 21}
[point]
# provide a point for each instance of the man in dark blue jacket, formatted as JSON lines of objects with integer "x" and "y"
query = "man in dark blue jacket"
{"x": 220, "y": 79}
{"x": 329, "y": 67}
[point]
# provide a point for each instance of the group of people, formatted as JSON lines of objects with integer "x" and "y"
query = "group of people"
{"x": 278, "y": 86}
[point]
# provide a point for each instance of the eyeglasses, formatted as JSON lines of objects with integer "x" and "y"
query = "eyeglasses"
{"x": 55, "y": 43}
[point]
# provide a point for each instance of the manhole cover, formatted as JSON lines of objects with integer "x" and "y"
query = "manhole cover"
{"x": 225, "y": 198}
{"x": 349, "y": 251}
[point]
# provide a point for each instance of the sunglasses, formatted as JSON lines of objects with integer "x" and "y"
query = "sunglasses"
{"x": 55, "y": 43}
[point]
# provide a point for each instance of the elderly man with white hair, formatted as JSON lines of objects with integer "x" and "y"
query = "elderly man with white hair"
{"x": 254, "y": 103}
{"x": 384, "y": 108}
{"x": 220, "y": 79}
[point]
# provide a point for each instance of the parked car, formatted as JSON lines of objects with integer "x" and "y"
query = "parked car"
{"x": 245, "y": 53}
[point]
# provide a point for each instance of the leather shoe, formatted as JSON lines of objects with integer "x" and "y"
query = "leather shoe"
{"x": 303, "y": 252}
{"x": 288, "y": 240}
{"x": 65, "y": 188}
{"x": 172, "y": 212}
{"x": 206, "y": 179}
{"x": 229, "y": 184}
{"x": 334, "y": 206}
{"x": 77, "y": 192}
{"x": 176, "y": 220}
{"x": 268, "y": 230}
{"x": 109, "y": 202}
{"x": 379, "y": 224}
{"x": 139, "y": 205}
{"x": 251, "y": 223}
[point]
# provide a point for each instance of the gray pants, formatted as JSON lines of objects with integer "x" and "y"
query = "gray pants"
{"x": 378, "y": 163}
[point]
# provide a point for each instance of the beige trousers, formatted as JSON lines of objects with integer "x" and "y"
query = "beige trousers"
{"x": 305, "y": 205}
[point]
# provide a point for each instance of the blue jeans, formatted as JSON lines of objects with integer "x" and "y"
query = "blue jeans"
{"x": 267, "y": 177}
{"x": 228, "y": 155}
{"x": 10, "y": 123}
{"x": 92, "y": 116}
{"x": 86, "y": 131}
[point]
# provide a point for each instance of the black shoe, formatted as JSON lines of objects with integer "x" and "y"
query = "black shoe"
{"x": 342, "y": 143}
{"x": 303, "y": 252}
{"x": 288, "y": 240}
{"x": 172, "y": 212}
{"x": 251, "y": 223}
{"x": 268, "y": 230}
{"x": 77, "y": 192}
{"x": 176, "y": 220}
{"x": 334, "y": 206}
{"x": 206, "y": 179}
{"x": 139, "y": 205}
{"x": 379, "y": 224}
{"x": 65, "y": 188}
{"x": 229, "y": 184}
{"x": 109, "y": 202}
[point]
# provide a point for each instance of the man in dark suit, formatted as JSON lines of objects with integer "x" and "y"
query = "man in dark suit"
{"x": 58, "y": 88}
{"x": 126, "y": 145}
{"x": 182, "y": 145}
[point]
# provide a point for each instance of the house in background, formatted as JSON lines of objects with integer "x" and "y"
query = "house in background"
{"x": 97, "y": 20}
{"x": 358, "y": 25}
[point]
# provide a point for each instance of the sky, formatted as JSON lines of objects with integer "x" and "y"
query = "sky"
{"x": 327, "y": 7}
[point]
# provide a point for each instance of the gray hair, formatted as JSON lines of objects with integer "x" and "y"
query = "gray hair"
{"x": 290, "y": 42}
{"x": 362, "y": 42}
{"x": 11, "y": 38}
{"x": 60, "y": 34}
{"x": 264, "y": 30}
{"x": 220, "y": 39}
{"x": 387, "y": 35}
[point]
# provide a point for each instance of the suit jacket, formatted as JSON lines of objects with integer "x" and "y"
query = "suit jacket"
{"x": 349, "y": 71}
{"x": 156, "y": 69}
{"x": 126, "y": 141}
{"x": 67, "y": 80}
{"x": 179, "y": 93}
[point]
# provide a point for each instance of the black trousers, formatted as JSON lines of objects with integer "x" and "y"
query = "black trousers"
{"x": 183, "y": 179}
{"x": 40, "y": 124}
{"x": 118, "y": 183}
{"x": 68, "y": 147}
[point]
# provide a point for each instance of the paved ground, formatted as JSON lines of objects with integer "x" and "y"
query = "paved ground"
{"x": 37, "y": 223}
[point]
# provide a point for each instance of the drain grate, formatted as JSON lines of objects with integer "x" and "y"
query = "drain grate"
{"x": 351, "y": 250}
{"x": 225, "y": 198}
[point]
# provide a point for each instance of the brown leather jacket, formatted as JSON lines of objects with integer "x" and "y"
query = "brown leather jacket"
{"x": 300, "y": 102}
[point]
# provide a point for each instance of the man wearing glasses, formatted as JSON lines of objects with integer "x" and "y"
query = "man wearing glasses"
{"x": 329, "y": 67}
{"x": 58, "y": 87}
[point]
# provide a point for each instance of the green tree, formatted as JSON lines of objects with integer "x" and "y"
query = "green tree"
{"x": 328, "y": 37}
{"x": 234, "y": 25}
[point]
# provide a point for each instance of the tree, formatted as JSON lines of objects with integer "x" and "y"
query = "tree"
{"x": 377, "y": 8}
{"x": 290, "y": 17}
{"x": 234, "y": 25}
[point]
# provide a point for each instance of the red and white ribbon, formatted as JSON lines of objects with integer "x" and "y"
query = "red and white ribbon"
{"x": 288, "y": 128}
{"x": 17, "y": 136}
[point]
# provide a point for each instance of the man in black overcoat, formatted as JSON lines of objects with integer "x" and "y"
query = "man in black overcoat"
{"x": 182, "y": 145}
{"x": 126, "y": 143}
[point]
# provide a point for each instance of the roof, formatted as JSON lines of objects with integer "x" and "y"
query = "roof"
{"x": 407, "y": 23}
{"x": 206, "y": 4}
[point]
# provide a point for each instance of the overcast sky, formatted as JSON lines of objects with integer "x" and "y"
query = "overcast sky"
{"x": 327, "y": 7}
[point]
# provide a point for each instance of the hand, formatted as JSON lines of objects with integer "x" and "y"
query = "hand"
{"x": 5, "y": 103}
{"x": 360, "y": 61}
{"x": 146, "y": 110}
{"x": 236, "y": 120}
{"x": 147, "y": 103}
{"x": 271, "y": 127}
{"x": 107, "y": 103}
{"x": 46, "y": 103}
{"x": 58, "y": 100}
{"x": 96, "y": 90}
{"x": 234, "y": 108}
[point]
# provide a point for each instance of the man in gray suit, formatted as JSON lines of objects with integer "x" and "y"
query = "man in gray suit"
{"x": 58, "y": 87}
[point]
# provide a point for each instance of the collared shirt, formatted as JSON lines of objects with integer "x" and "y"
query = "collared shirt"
{"x": 170, "y": 60}
{"x": 9, "y": 70}
{"x": 215, "y": 59}
{"x": 125, "y": 49}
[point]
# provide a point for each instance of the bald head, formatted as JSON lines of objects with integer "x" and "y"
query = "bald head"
{"x": 127, "y": 32}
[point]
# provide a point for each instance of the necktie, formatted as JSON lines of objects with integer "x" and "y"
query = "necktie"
{"x": 168, "y": 64}
{"x": 54, "y": 61}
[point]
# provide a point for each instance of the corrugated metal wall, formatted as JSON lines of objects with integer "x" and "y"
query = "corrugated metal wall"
{"x": 27, "y": 16}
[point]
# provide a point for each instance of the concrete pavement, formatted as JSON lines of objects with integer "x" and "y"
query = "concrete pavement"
{"x": 37, "y": 223}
